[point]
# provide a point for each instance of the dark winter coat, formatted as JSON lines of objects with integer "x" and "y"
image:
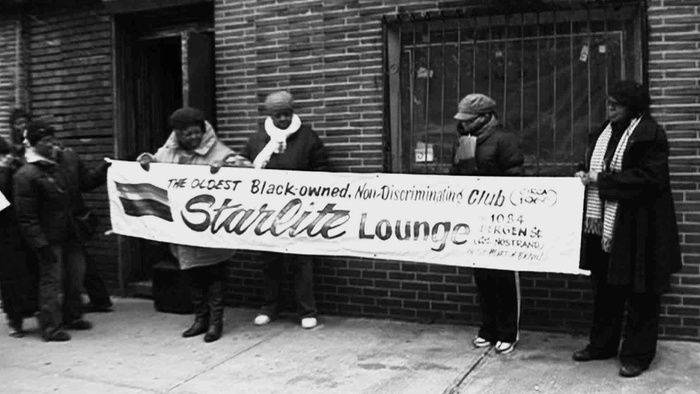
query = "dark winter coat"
{"x": 498, "y": 154}
{"x": 48, "y": 198}
{"x": 645, "y": 248}
{"x": 305, "y": 151}
{"x": 9, "y": 228}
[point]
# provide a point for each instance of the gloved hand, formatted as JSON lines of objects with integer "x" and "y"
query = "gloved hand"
{"x": 46, "y": 255}
{"x": 216, "y": 166}
{"x": 145, "y": 159}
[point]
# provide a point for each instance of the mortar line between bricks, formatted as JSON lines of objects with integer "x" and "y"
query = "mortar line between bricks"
{"x": 266, "y": 338}
{"x": 454, "y": 387}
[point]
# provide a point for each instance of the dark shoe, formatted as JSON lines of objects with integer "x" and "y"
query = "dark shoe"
{"x": 16, "y": 330}
{"x": 214, "y": 332}
{"x": 631, "y": 370}
{"x": 58, "y": 336}
{"x": 199, "y": 327}
{"x": 586, "y": 354}
{"x": 98, "y": 308}
{"x": 79, "y": 324}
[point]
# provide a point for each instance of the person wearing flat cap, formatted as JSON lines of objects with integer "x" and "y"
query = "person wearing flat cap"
{"x": 50, "y": 211}
{"x": 630, "y": 237}
{"x": 193, "y": 141}
{"x": 284, "y": 142}
{"x": 484, "y": 148}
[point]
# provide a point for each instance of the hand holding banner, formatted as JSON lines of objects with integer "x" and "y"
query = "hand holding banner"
{"x": 522, "y": 224}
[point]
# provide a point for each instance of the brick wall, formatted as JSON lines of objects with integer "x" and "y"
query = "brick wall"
{"x": 329, "y": 55}
{"x": 70, "y": 65}
{"x": 10, "y": 32}
{"x": 674, "y": 80}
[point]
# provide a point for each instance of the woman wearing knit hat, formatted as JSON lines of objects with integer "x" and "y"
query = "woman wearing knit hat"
{"x": 630, "y": 241}
{"x": 193, "y": 141}
{"x": 285, "y": 143}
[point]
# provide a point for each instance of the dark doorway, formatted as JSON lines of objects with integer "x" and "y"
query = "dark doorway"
{"x": 163, "y": 61}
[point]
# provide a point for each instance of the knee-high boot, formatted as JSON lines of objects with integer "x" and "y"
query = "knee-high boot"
{"x": 201, "y": 312}
{"x": 215, "y": 300}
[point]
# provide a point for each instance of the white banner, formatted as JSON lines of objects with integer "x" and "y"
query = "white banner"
{"x": 3, "y": 202}
{"x": 512, "y": 223}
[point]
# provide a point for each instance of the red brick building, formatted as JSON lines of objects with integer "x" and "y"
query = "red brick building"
{"x": 378, "y": 80}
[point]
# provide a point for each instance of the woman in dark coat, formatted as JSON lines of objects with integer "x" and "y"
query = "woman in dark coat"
{"x": 17, "y": 283}
{"x": 630, "y": 241}
{"x": 285, "y": 143}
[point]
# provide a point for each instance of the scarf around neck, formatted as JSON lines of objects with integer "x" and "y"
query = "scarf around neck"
{"x": 601, "y": 215}
{"x": 278, "y": 140}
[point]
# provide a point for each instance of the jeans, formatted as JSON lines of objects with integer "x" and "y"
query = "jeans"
{"x": 64, "y": 274}
{"x": 273, "y": 275}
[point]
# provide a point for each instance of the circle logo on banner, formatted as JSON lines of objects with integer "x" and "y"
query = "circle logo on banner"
{"x": 533, "y": 196}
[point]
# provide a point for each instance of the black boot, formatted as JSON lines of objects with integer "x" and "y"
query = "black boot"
{"x": 216, "y": 311}
{"x": 201, "y": 313}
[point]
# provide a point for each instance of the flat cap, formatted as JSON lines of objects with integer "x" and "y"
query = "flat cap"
{"x": 474, "y": 104}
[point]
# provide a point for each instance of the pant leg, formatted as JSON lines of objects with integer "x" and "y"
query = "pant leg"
{"x": 302, "y": 265}
{"x": 641, "y": 329}
{"x": 14, "y": 280}
{"x": 50, "y": 318}
{"x": 95, "y": 286}
{"x": 608, "y": 309}
{"x": 197, "y": 281}
{"x": 74, "y": 273}
{"x": 507, "y": 293}
{"x": 215, "y": 292}
{"x": 273, "y": 274}
{"x": 488, "y": 301}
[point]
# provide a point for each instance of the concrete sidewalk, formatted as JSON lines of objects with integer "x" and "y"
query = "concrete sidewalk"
{"x": 138, "y": 350}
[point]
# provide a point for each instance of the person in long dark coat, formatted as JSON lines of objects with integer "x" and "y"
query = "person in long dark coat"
{"x": 17, "y": 270}
{"x": 630, "y": 244}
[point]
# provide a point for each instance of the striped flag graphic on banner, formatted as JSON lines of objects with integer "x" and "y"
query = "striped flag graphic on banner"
{"x": 142, "y": 199}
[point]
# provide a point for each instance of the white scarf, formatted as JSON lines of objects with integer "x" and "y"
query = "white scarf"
{"x": 32, "y": 156}
{"x": 601, "y": 215}
{"x": 278, "y": 140}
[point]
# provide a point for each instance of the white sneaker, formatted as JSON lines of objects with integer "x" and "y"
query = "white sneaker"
{"x": 309, "y": 322}
{"x": 504, "y": 347}
{"x": 480, "y": 342}
{"x": 261, "y": 320}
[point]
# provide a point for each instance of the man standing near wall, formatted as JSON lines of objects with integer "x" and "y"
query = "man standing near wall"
{"x": 49, "y": 204}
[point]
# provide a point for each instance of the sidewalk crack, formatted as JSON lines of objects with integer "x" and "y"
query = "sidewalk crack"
{"x": 455, "y": 386}
{"x": 253, "y": 346}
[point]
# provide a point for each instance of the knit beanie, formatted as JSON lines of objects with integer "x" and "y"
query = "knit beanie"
{"x": 279, "y": 101}
{"x": 632, "y": 95}
{"x": 37, "y": 130}
{"x": 186, "y": 117}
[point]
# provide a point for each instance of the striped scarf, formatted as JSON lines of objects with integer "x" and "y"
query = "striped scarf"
{"x": 601, "y": 215}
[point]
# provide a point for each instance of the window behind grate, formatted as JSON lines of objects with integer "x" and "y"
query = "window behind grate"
{"x": 548, "y": 70}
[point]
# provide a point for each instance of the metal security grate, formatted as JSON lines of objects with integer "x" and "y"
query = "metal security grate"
{"x": 548, "y": 66}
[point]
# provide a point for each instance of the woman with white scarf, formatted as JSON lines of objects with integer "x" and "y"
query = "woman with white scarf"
{"x": 284, "y": 142}
{"x": 630, "y": 241}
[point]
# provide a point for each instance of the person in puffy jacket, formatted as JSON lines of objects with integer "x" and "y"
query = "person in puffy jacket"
{"x": 193, "y": 141}
{"x": 49, "y": 206}
{"x": 284, "y": 142}
{"x": 484, "y": 148}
